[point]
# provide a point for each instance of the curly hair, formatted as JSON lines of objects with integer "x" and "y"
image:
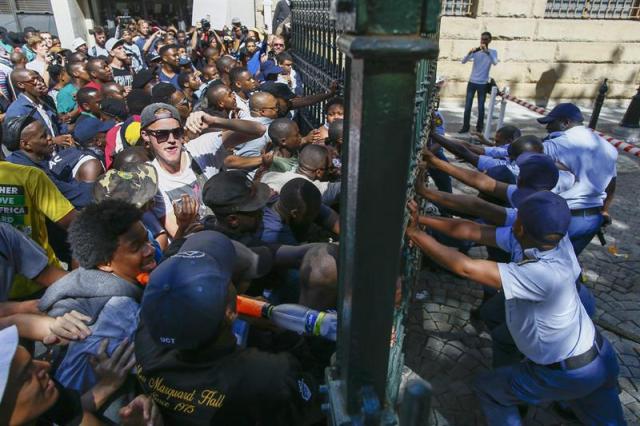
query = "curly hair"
{"x": 94, "y": 233}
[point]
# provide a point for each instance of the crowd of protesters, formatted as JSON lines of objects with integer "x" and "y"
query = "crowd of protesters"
{"x": 146, "y": 180}
{"x": 150, "y": 178}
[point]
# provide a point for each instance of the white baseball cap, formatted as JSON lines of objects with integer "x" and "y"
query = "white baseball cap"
{"x": 77, "y": 42}
{"x": 8, "y": 346}
{"x": 112, "y": 43}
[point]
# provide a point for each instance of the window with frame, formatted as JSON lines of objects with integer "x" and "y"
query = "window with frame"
{"x": 593, "y": 9}
{"x": 458, "y": 7}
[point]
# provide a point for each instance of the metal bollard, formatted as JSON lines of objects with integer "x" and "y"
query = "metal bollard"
{"x": 492, "y": 105}
{"x": 503, "y": 108}
{"x": 631, "y": 118}
{"x": 602, "y": 92}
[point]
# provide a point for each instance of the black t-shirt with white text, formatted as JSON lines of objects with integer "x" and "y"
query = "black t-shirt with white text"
{"x": 122, "y": 76}
{"x": 225, "y": 384}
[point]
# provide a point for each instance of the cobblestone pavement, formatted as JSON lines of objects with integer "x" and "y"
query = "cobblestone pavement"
{"x": 445, "y": 346}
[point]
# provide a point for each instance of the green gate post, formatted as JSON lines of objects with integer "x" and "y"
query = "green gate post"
{"x": 382, "y": 46}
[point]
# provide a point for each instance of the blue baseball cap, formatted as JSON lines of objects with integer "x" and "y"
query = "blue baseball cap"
{"x": 87, "y": 129}
{"x": 184, "y": 303}
{"x": 564, "y": 110}
{"x": 544, "y": 213}
{"x": 538, "y": 172}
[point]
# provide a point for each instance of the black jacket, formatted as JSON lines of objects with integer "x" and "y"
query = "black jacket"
{"x": 280, "y": 14}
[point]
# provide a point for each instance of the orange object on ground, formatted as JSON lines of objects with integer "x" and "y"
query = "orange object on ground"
{"x": 249, "y": 307}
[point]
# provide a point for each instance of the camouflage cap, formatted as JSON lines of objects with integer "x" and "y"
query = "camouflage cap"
{"x": 138, "y": 184}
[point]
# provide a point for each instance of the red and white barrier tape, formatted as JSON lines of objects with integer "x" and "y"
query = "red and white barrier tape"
{"x": 619, "y": 144}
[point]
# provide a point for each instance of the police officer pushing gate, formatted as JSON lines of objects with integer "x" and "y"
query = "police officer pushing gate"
{"x": 565, "y": 357}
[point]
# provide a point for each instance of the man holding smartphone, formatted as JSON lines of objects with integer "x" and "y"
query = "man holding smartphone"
{"x": 482, "y": 58}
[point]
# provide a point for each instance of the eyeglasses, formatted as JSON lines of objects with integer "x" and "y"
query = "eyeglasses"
{"x": 278, "y": 45}
{"x": 33, "y": 81}
{"x": 163, "y": 135}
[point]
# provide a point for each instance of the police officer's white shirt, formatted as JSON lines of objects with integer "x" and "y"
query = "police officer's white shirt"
{"x": 543, "y": 310}
{"x": 591, "y": 159}
{"x": 566, "y": 180}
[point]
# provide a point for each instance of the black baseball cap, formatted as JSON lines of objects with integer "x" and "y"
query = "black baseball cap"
{"x": 279, "y": 90}
{"x": 142, "y": 78}
{"x": 232, "y": 191}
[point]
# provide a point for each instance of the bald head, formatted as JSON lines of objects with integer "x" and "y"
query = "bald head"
{"x": 21, "y": 75}
{"x": 224, "y": 64}
{"x": 111, "y": 89}
{"x": 77, "y": 57}
{"x": 216, "y": 93}
{"x": 281, "y": 129}
{"x": 319, "y": 277}
{"x": 18, "y": 59}
{"x": 86, "y": 94}
{"x": 313, "y": 157}
{"x": 527, "y": 143}
{"x": 261, "y": 100}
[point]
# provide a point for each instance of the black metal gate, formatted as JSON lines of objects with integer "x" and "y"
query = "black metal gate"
{"x": 383, "y": 44}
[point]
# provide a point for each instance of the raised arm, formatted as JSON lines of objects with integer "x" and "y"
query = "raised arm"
{"x": 467, "y": 204}
{"x": 456, "y": 148}
{"x": 473, "y": 178}
{"x": 483, "y": 271}
{"x": 246, "y": 163}
{"x": 239, "y": 131}
{"x": 303, "y": 101}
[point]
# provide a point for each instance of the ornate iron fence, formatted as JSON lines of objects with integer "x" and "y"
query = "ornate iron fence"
{"x": 319, "y": 61}
{"x": 315, "y": 52}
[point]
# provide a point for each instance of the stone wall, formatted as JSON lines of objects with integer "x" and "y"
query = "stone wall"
{"x": 542, "y": 59}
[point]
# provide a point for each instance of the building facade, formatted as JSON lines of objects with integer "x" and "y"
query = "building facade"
{"x": 548, "y": 49}
{"x": 74, "y": 18}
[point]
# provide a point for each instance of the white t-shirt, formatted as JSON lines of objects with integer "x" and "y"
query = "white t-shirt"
{"x": 208, "y": 152}
{"x": 38, "y": 66}
{"x": 543, "y": 310}
{"x": 591, "y": 159}
{"x": 243, "y": 106}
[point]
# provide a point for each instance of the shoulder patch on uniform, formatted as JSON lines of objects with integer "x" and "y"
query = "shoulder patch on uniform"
{"x": 304, "y": 390}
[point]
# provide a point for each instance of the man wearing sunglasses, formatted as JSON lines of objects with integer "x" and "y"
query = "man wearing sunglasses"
{"x": 184, "y": 168}
{"x": 32, "y": 90}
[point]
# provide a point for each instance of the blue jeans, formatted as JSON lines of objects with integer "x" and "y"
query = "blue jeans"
{"x": 472, "y": 88}
{"x": 590, "y": 391}
{"x": 582, "y": 229}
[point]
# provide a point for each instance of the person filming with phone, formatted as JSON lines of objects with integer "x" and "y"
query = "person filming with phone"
{"x": 482, "y": 58}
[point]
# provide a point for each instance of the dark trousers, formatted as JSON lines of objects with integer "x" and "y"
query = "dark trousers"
{"x": 440, "y": 178}
{"x": 472, "y": 88}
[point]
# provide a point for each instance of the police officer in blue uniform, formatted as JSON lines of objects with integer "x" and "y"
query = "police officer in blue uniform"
{"x": 593, "y": 162}
{"x": 566, "y": 359}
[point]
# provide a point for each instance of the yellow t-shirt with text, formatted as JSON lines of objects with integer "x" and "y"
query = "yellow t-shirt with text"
{"x": 27, "y": 197}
